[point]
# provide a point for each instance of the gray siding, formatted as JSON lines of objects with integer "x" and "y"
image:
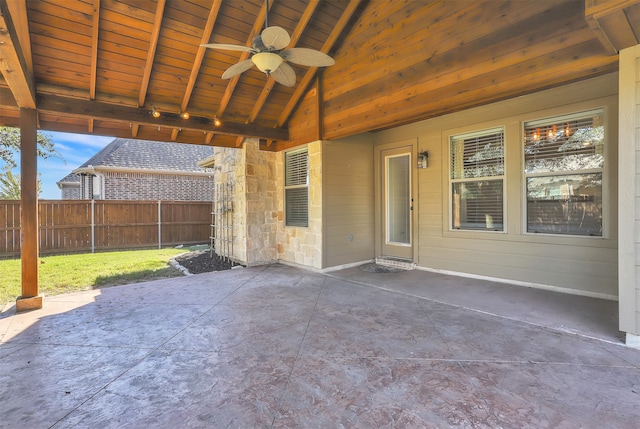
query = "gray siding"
{"x": 629, "y": 180}
{"x": 586, "y": 265}
{"x": 348, "y": 176}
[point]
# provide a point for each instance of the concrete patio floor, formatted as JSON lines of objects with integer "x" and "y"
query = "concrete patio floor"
{"x": 277, "y": 346}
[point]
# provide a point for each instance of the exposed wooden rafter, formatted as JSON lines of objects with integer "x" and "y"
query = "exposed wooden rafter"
{"x": 231, "y": 86}
{"x": 311, "y": 72}
{"x": 95, "y": 30}
{"x": 608, "y": 20}
{"x": 13, "y": 64}
{"x": 109, "y": 112}
{"x": 197, "y": 63}
{"x": 295, "y": 36}
{"x": 18, "y": 11}
{"x": 151, "y": 53}
{"x": 396, "y": 62}
{"x": 308, "y": 76}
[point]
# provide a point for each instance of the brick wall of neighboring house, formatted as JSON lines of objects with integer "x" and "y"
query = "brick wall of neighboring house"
{"x": 139, "y": 186}
{"x": 70, "y": 192}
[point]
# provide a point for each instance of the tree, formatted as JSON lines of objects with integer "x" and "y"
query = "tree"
{"x": 10, "y": 185}
{"x": 10, "y": 145}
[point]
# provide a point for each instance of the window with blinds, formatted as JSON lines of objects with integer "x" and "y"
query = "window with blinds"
{"x": 296, "y": 188}
{"x": 563, "y": 165}
{"x": 477, "y": 180}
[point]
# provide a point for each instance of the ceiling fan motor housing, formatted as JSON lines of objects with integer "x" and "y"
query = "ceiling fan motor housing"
{"x": 258, "y": 45}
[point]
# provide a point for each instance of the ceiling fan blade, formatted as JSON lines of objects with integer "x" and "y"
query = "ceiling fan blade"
{"x": 307, "y": 57}
{"x": 238, "y": 68}
{"x": 228, "y": 47}
{"x": 275, "y": 38}
{"x": 284, "y": 75}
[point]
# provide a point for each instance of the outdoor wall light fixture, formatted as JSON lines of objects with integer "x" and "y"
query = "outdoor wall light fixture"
{"x": 155, "y": 112}
{"x": 423, "y": 158}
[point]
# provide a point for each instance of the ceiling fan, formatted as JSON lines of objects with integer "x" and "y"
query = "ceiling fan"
{"x": 268, "y": 53}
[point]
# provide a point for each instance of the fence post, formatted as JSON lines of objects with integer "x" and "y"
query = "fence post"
{"x": 159, "y": 225}
{"x": 93, "y": 226}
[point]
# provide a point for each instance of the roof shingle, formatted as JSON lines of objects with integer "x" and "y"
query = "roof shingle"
{"x": 150, "y": 155}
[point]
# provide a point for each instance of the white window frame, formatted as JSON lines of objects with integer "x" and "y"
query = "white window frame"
{"x": 299, "y": 185}
{"x": 573, "y": 115}
{"x": 502, "y": 178}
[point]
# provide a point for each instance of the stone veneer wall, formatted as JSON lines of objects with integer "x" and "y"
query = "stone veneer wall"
{"x": 303, "y": 246}
{"x": 229, "y": 168}
{"x": 260, "y": 235}
{"x": 263, "y": 201}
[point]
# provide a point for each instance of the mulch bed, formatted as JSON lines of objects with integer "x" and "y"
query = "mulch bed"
{"x": 200, "y": 261}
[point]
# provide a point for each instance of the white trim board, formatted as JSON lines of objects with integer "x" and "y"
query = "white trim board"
{"x": 523, "y": 284}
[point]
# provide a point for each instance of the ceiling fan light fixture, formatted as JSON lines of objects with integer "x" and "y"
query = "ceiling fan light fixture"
{"x": 267, "y": 62}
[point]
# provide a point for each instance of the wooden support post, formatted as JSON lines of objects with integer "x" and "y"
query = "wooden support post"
{"x": 29, "y": 212}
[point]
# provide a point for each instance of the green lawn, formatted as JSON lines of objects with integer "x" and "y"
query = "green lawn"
{"x": 72, "y": 273}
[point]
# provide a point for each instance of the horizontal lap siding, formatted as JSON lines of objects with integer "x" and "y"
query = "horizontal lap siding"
{"x": 586, "y": 264}
{"x": 349, "y": 198}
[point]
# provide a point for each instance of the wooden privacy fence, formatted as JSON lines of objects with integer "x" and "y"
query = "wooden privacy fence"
{"x": 88, "y": 225}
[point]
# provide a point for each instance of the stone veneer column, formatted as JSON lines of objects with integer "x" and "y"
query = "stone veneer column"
{"x": 260, "y": 235}
{"x": 229, "y": 168}
{"x": 255, "y": 200}
{"x": 262, "y": 204}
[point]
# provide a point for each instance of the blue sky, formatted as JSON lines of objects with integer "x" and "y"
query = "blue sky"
{"x": 75, "y": 150}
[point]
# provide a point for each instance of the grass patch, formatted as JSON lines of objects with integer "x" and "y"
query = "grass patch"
{"x": 72, "y": 273}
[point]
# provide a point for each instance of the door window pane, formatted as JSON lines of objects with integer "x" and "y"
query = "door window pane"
{"x": 398, "y": 200}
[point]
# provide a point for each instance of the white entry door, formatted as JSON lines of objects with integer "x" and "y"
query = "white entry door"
{"x": 397, "y": 203}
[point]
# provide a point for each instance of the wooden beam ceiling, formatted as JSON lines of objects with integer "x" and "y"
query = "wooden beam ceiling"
{"x": 616, "y": 23}
{"x": 499, "y": 50}
{"x": 13, "y": 64}
{"x": 396, "y": 62}
{"x": 295, "y": 36}
{"x": 102, "y": 111}
{"x": 300, "y": 91}
{"x": 231, "y": 86}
